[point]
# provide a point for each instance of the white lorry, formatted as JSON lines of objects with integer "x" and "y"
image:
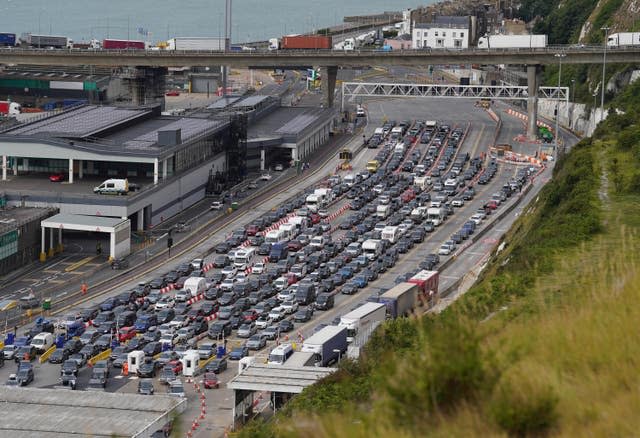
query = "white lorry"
{"x": 372, "y": 248}
{"x": 196, "y": 43}
{"x": 435, "y": 215}
{"x": 624, "y": 39}
{"x": 512, "y": 42}
{"x": 362, "y": 317}
{"x": 318, "y": 199}
{"x": 327, "y": 345}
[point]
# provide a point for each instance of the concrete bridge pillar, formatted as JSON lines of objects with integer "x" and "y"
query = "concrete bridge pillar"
{"x": 329, "y": 85}
{"x": 146, "y": 84}
{"x": 532, "y": 102}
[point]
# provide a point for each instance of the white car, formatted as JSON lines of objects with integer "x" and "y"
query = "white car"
{"x": 264, "y": 322}
{"x": 477, "y": 219}
{"x": 168, "y": 338}
{"x": 444, "y": 249}
{"x": 241, "y": 277}
{"x": 179, "y": 321}
{"x": 279, "y": 168}
{"x": 166, "y": 301}
{"x": 183, "y": 295}
{"x": 265, "y": 177}
{"x": 290, "y": 306}
{"x": 276, "y": 314}
{"x": 457, "y": 202}
{"x": 229, "y": 270}
{"x": 227, "y": 284}
{"x": 258, "y": 268}
{"x": 323, "y": 212}
{"x": 216, "y": 205}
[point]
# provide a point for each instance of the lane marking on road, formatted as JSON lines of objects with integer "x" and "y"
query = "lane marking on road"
{"x": 51, "y": 271}
{"x": 475, "y": 253}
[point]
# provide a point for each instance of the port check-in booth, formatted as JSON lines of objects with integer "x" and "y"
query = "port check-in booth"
{"x": 119, "y": 231}
{"x": 282, "y": 382}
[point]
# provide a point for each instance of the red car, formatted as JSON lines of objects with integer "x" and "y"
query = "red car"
{"x": 175, "y": 365}
{"x": 57, "y": 177}
{"x": 294, "y": 245}
{"x": 315, "y": 218}
{"x": 211, "y": 381}
{"x": 126, "y": 333}
{"x": 491, "y": 204}
{"x": 250, "y": 315}
{"x": 172, "y": 93}
{"x": 291, "y": 279}
{"x": 252, "y": 230}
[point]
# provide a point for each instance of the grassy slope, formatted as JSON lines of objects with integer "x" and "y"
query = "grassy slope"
{"x": 546, "y": 342}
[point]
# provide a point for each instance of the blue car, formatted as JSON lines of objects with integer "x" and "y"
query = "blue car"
{"x": 346, "y": 272}
{"x": 144, "y": 322}
{"x": 239, "y": 352}
{"x": 360, "y": 281}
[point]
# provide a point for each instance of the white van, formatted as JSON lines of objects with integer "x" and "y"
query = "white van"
{"x": 280, "y": 354}
{"x": 372, "y": 248}
{"x": 244, "y": 258}
{"x": 289, "y": 231}
{"x": 113, "y": 187}
{"x": 197, "y": 285}
{"x": 42, "y": 342}
{"x": 349, "y": 180}
{"x": 274, "y": 236}
{"x": 383, "y": 211}
{"x": 390, "y": 233}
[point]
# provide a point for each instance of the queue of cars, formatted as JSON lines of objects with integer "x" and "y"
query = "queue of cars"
{"x": 263, "y": 299}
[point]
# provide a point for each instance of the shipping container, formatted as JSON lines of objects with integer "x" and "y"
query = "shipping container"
{"x": 307, "y": 42}
{"x": 110, "y": 44}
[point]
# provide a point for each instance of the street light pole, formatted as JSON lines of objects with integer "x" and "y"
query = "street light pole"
{"x": 604, "y": 66}
{"x": 559, "y": 56}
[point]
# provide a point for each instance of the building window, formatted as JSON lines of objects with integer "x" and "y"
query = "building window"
{"x": 436, "y": 34}
{"x": 457, "y": 44}
{"x": 418, "y": 34}
{"x": 444, "y": 34}
{"x": 454, "y": 34}
{"x": 461, "y": 35}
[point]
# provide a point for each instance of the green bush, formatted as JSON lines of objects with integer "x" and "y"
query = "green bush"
{"x": 522, "y": 405}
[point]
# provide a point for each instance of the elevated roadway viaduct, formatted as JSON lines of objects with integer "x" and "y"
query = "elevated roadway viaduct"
{"x": 329, "y": 60}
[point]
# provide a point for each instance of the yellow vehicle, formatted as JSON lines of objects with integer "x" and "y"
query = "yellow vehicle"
{"x": 345, "y": 155}
{"x": 372, "y": 166}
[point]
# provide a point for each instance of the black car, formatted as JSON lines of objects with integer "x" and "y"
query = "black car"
{"x": 349, "y": 288}
{"x": 152, "y": 348}
{"x": 216, "y": 366}
{"x": 303, "y": 315}
{"x": 285, "y": 326}
{"x": 73, "y": 345}
{"x": 166, "y": 315}
{"x": 59, "y": 356}
{"x": 211, "y": 294}
{"x": 149, "y": 368}
{"x": 89, "y": 350}
{"x": 25, "y": 353}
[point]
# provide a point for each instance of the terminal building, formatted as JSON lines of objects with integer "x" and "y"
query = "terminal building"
{"x": 57, "y": 161}
{"x": 169, "y": 162}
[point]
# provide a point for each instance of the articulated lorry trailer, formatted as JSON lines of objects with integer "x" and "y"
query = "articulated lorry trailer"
{"x": 400, "y": 300}
{"x": 361, "y": 318}
{"x": 327, "y": 345}
{"x": 512, "y": 42}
